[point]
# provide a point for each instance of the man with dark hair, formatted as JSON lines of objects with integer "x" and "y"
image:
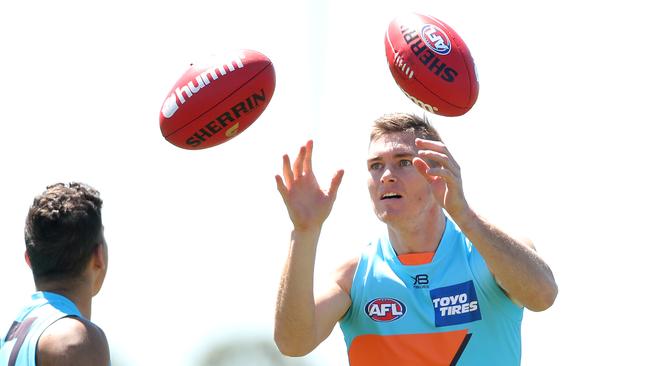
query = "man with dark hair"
{"x": 67, "y": 253}
{"x": 442, "y": 285}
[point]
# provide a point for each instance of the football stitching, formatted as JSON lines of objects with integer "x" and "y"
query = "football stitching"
{"x": 399, "y": 62}
{"x": 396, "y": 56}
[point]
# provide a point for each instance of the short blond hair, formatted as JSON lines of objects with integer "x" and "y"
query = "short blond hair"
{"x": 403, "y": 122}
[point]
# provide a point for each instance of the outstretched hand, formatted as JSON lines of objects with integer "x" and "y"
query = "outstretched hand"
{"x": 435, "y": 163}
{"x": 308, "y": 205}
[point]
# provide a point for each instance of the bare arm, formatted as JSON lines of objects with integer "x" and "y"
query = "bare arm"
{"x": 515, "y": 264}
{"x": 73, "y": 341}
{"x": 301, "y": 320}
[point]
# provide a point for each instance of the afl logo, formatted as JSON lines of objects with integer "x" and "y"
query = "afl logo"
{"x": 385, "y": 309}
{"x": 436, "y": 39}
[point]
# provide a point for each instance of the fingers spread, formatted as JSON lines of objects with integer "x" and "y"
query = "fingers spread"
{"x": 431, "y": 173}
{"x": 437, "y": 159}
{"x": 335, "y": 183}
{"x": 422, "y": 167}
{"x": 429, "y": 144}
{"x": 286, "y": 170}
{"x": 281, "y": 187}
{"x": 437, "y": 146}
{"x": 308, "y": 154}
{"x": 298, "y": 163}
{"x": 434, "y": 157}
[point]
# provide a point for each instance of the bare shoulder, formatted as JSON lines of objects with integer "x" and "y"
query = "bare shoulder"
{"x": 73, "y": 341}
{"x": 345, "y": 273}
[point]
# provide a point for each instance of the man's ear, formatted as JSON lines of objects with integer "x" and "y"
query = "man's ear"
{"x": 29, "y": 263}
{"x": 99, "y": 256}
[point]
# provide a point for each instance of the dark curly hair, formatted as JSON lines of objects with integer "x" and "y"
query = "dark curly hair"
{"x": 63, "y": 228}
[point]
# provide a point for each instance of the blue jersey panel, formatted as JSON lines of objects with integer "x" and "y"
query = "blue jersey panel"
{"x": 452, "y": 303}
{"x": 18, "y": 346}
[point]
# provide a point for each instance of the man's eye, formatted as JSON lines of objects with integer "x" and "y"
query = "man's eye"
{"x": 405, "y": 162}
{"x": 375, "y": 166}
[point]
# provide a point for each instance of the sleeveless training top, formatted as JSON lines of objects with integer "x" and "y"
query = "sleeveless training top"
{"x": 18, "y": 347}
{"x": 447, "y": 312}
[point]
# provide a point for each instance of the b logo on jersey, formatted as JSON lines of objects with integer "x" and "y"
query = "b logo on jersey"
{"x": 385, "y": 309}
{"x": 455, "y": 304}
{"x": 421, "y": 280}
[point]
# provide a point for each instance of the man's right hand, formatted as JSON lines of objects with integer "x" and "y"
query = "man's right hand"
{"x": 308, "y": 205}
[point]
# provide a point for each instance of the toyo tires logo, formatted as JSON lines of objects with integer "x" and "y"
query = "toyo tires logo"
{"x": 385, "y": 309}
{"x": 436, "y": 39}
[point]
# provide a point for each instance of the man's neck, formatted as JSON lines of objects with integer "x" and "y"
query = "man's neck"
{"x": 78, "y": 292}
{"x": 420, "y": 236}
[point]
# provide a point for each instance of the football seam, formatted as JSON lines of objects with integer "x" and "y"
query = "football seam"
{"x": 439, "y": 97}
{"x": 396, "y": 56}
{"x": 216, "y": 104}
{"x": 470, "y": 72}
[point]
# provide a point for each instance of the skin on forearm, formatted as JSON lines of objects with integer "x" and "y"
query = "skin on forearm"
{"x": 295, "y": 320}
{"x": 297, "y": 329}
{"x": 515, "y": 264}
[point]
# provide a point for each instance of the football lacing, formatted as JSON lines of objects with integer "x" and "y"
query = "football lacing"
{"x": 403, "y": 66}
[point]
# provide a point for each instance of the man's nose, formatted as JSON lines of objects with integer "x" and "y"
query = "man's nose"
{"x": 387, "y": 176}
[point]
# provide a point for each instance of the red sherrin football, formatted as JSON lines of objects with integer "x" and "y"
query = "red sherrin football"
{"x": 431, "y": 64}
{"x": 217, "y": 99}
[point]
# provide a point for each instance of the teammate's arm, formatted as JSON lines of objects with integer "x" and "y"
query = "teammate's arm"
{"x": 73, "y": 341}
{"x": 301, "y": 321}
{"x": 515, "y": 264}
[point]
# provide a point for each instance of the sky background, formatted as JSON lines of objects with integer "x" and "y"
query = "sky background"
{"x": 555, "y": 148}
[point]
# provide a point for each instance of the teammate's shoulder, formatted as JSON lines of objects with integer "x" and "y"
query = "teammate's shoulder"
{"x": 73, "y": 341}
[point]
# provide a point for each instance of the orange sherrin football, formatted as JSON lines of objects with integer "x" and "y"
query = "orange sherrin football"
{"x": 431, "y": 64}
{"x": 217, "y": 99}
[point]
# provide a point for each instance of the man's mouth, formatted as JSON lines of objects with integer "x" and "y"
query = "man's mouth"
{"x": 390, "y": 196}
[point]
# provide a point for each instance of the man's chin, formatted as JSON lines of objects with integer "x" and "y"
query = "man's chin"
{"x": 386, "y": 216}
